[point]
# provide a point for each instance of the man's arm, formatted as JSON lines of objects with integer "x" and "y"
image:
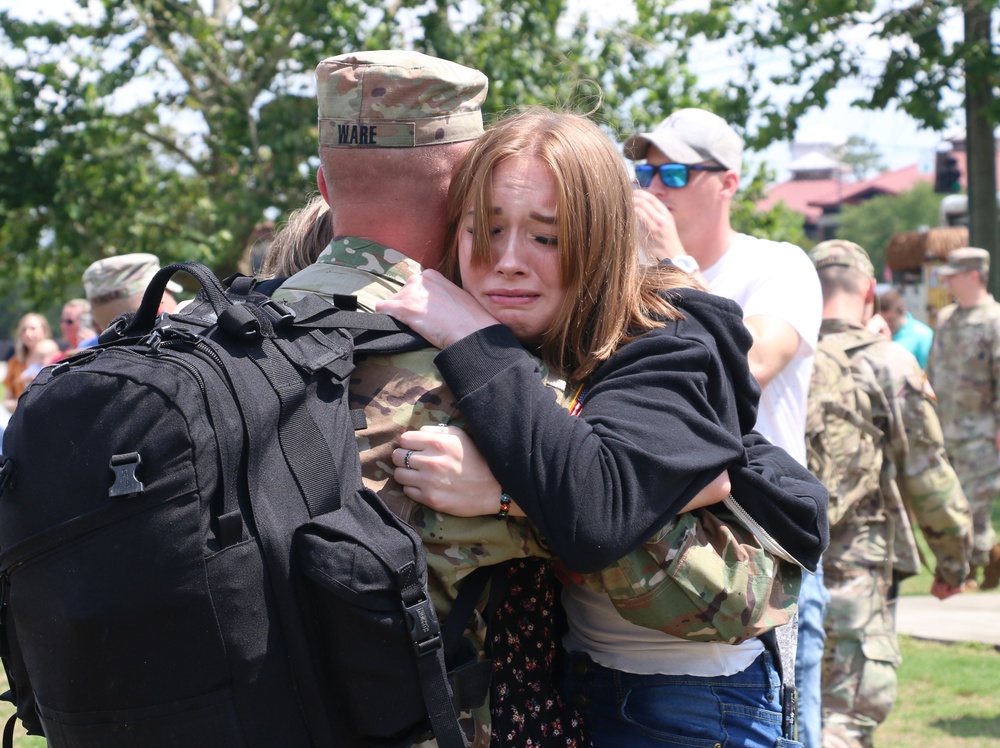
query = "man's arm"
{"x": 775, "y": 342}
{"x": 928, "y": 484}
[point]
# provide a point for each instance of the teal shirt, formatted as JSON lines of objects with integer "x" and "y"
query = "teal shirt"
{"x": 916, "y": 337}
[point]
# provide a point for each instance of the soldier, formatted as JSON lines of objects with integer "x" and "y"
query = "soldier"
{"x": 964, "y": 368}
{"x": 116, "y": 284}
{"x": 392, "y": 126}
{"x": 872, "y": 545}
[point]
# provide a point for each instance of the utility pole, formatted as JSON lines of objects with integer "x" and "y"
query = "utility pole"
{"x": 980, "y": 145}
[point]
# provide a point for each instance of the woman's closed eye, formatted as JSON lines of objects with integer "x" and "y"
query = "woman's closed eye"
{"x": 494, "y": 230}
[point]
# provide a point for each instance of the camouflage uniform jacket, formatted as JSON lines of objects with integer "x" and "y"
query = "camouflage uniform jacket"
{"x": 964, "y": 368}
{"x": 403, "y": 392}
{"x": 916, "y": 476}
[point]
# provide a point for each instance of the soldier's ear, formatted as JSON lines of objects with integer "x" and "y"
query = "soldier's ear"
{"x": 870, "y": 295}
{"x": 321, "y": 183}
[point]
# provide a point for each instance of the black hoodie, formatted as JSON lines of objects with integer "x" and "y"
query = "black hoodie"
{"x": 662, "y": 417}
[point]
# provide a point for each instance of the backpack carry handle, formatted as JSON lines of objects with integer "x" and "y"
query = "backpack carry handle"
{"x": 145, "y": 317}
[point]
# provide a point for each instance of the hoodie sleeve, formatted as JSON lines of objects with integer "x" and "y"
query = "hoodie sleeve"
{"x": 784, "y": 498}
{"x": 598, "y": 485}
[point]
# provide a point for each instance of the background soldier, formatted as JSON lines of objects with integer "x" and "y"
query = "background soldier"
{"x": 871, "y": 465}
{"x": 964, "y": 368}
{"x": 392, "y": 127}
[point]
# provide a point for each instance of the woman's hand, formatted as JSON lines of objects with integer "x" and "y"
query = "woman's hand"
{"x": 713, "y": 493}
{"x": 436, "y": 308}
{"x": 440, "y": 467}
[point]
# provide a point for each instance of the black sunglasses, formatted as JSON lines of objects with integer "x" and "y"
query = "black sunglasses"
{"x": 672, "y": 175}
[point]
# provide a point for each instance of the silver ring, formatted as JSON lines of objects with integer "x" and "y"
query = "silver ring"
{"x": 406, "y": 459}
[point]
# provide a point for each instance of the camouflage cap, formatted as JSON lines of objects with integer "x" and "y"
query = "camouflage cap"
{"x": 121, "y": 276}
{"x": 966, "y": 258}
{"x": 397, "y": 99}
{"x": 843, "y": 253}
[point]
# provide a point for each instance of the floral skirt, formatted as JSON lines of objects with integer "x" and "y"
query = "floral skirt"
{"x": 526, "y": 709}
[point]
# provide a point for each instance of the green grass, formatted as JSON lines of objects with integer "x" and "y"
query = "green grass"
{"x": 948, "y": 697}
{"x": 20, "y": 739}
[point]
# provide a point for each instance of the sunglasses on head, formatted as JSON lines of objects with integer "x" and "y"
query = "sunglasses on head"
{"x": 672, "y": 175}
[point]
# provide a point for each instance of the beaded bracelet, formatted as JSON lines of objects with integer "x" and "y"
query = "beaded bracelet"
{"x": 504, "y": 505}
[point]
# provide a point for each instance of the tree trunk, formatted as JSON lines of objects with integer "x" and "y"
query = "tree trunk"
{"x": 980, "y": 145}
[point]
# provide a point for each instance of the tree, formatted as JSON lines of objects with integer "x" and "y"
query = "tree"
{"x": 903, "y": 48}
{"x": 97, "y": 164}
{"x": 861, "y": 156}
{"x": 176, "y": 126}
{"x": 780, "y": 224}
{"x": 873, "y": 222}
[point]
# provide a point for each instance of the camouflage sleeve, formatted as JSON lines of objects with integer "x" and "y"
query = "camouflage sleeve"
{"x": 702, "y": 577}
{"x": 994, "y": 332}
{"x": 930, "y": 487}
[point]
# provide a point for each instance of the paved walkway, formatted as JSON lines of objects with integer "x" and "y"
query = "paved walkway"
{"x": 968, "y": 617}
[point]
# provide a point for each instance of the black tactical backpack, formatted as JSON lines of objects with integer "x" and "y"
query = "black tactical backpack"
{"x": 188, "y": 557}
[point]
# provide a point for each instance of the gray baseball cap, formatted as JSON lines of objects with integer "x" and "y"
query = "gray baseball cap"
{"x": 397, "y": 99}
{"x": 690, "y": 136}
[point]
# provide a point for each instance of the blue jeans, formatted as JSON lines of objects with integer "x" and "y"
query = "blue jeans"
{"x": 813, "y": 601}
{"x": 633, "y": 711}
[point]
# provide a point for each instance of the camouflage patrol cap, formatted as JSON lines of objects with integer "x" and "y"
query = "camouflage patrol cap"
{"x": 843, "y": 253}
{"x": 120, "y": 277}
{"x": 397, "y": 99}
{"x": 966, "y": 258}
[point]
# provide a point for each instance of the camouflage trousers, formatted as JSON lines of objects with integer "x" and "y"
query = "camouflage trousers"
{"x": 978, "y": 469}
{"x": 861, "y": 655}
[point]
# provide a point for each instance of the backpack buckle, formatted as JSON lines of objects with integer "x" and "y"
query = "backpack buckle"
{"x": 425, "y": 633}
{"x": 278, "y": 313}
{"x": 126, "y": 483}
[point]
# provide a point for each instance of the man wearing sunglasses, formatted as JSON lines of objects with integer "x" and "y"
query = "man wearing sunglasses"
{"x": 75, "y": 323}
{"x": 689, "y": 176}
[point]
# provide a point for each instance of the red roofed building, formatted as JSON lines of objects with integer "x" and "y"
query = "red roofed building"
{"x": 816, "y": 191}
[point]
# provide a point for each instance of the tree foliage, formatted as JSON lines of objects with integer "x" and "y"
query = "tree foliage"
{"x": 873, "y": 222}
{"x": 861, "y": 157}
{"x": 781, "y": 223}
{"x": 901, "y": 50}
{"x": 175, "y": 126}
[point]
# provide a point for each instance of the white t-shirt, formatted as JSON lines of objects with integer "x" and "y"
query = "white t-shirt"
{"x": 595, "y": 627}
{"x": 776, "y": 279}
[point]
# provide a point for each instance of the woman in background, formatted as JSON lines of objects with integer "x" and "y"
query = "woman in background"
{"x": 31, "y": 329}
